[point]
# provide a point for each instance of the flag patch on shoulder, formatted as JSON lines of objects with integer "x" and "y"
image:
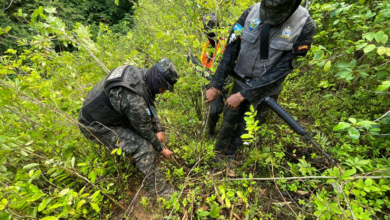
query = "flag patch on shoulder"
{"x": 303, "y": 47}
{"x": 237, "y": 27}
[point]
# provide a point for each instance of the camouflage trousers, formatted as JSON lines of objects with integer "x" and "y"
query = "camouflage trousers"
{"x": 216, "y": 109}
{"x": 233, "y": 126}
{"x": 133, "y": 145}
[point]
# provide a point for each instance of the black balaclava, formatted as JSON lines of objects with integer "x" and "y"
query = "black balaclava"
{"x": 155, "y": 80}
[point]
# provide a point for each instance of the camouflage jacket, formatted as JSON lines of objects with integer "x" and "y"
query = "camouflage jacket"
{"x": 135, "y": 108}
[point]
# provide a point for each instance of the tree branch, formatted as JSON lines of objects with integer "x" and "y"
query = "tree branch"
{"x": 8, "y": 6}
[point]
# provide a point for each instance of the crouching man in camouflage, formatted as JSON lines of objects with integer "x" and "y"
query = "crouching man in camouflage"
{"x": 119, "y": 112}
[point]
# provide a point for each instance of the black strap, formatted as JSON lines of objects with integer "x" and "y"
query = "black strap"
{"x": 264, "y": 41}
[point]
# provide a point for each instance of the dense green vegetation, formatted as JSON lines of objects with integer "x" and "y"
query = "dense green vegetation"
{"x": 50, "y": 171}
{"x": 16, "y": 13}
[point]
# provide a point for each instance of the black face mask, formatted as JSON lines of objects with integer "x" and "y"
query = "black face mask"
{"x": 155, "y": 80}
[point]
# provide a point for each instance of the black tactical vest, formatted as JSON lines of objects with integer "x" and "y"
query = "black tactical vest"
{"x": 97, "y": 105}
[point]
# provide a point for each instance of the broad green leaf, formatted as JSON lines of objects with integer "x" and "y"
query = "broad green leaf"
{"x": 342, "y": 126}
{"x": 56, "y": 206}
{"x": 11, "y": 51}
{"x": 82, "y": 190}
{"x": 43, "y": 204}
{"x": 7, "y": 29}
{"x": 214, "y": 211}
{"x": 252, "y": 109}
{"x": 5, "y": 71}
{"x": 353, "y": 133}
{"x": 342, "y": 65}
{"x": 63, "y": 192}
{"x": 352, "y": 120}
{"x": 368, "y": 182}
{"x": 3, "y": 204}
{"x": 369, "y": 48}
{"x": 388, "y": 52}
{"x": 349, "y": 173}
{"x": 344, "y": 74}
{"x": 381, "y": 51}
{"x": 30, "y": 173}
{"x": 204, "y": 213}
{"x": 379, "y": 36}
{"x": 239, "y": 194}
{"x": 230, "y": 194}
{"x": 369, "y": 36}
{"x": 384, "y": 39}
{"x": 29, "y": 166}
{"x": 95, "y": 207}
{"x": 114, "y": 151}
{"x": 227, "y": 203}
{"x": 246, "y": 136}
{"x": 385, "y": 85}
{"x": 360, "y": 46}
{"x": 335, "y": 208}
{"x": 119, "y": 152}
{"x": 79, "y": 204}
{"x": 117, "y": 2}
{"x": 92, "y": 176}
{"x": 362, "y": 1}
{"x": 327, "y": 66}
{"x": 95, "y": 195}
{"x": 318, "y": 55}
{"x": 50, "y": 218}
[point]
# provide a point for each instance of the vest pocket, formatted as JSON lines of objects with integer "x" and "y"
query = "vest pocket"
{"x": 281, "y": 45}
{"x": 276, "y": 50}
{"x": 250, "y": 36}
{"x": 104, "y": 114}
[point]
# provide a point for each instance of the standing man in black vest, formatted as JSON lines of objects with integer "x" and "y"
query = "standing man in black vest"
{"x": 119, "y": 112}
{"x": 262, "y": 50}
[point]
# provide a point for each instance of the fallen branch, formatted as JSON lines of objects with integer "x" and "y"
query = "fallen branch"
{"x": 382, "y": 116}
{"x": 306, "y": 177}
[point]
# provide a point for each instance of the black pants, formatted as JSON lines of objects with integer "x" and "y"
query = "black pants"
{"x": 216, "y": 109}
{"x": 229, "y": 138}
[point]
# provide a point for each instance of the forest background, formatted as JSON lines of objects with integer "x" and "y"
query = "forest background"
{"x": 53, "y": 52}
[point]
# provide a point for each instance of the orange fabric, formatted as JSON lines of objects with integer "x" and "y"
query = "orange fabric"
{"x": 204, "y": 57}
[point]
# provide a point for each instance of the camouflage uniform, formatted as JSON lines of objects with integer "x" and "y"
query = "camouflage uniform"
{"x": 137, "y": 135}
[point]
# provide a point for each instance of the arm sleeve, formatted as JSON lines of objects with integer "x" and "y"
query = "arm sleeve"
{"x": 229, "y": 57}
{"x": 158, "y": 127}
{"x": 284, "y": 65}
{"x": 134, "y": 107}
